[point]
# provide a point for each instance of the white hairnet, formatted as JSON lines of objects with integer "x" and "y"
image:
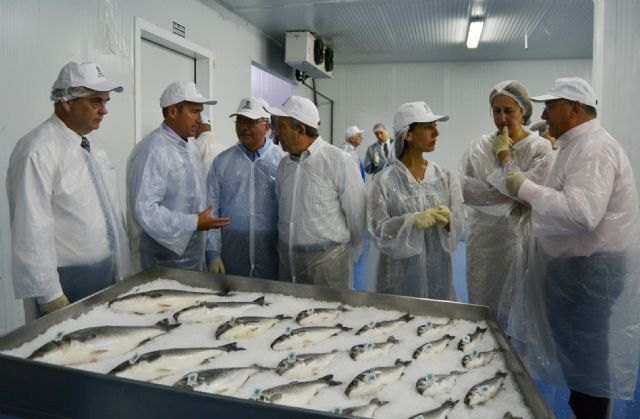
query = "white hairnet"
{"x": 515, "y": 90}
{"x": 70, "y": 93}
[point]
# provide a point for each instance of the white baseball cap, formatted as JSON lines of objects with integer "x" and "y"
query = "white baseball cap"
{"x": 412, "y": 112}
{"x": 183, "y": 91}
{"x": 570, "y": 88}
{"x": 87, "y": 75}
{"x": 299, "y": 108}
{"x": 252, "y": 108}
{"x": 351, "y": 131}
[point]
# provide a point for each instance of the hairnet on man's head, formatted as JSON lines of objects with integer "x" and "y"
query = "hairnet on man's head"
{"x": 515, "y": 90}
{"x": 70, "y": 93}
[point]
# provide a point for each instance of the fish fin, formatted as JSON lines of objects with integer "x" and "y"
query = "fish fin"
{"x": 407, "y": 317}
{"x": 165, "y": 325}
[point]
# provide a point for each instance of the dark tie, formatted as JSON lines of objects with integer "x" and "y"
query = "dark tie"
{"x": 85, "y": 144}
{"x": 386, "y": 150}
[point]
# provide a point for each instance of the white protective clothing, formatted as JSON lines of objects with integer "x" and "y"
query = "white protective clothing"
{"x": 498, "y": 226}
{"x": 56, "y": 216}
{"x": 244, "y": 191}
{"x": 322, "y": 206}
{"x": 208, "y": 149}
{"x": 166, "y": 192}
{"x": 414, "y": 261}
{"x": 376, "y": 159}
{"x": 351, "y": 150}
{"x": 578, "y": 309}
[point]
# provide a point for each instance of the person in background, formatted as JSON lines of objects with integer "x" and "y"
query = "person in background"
{"x": 578, "y": 308}
{"x": 166, "y": 199}
{"x": 241, "y": 186}
{"x": 542, "y": 129}
{"x": 67, "y": 228}
{"x": 207, "y": 146}
{"x": 414, "y": 211}
{"x": 353, "y": 138}
{"x": 321, "y": 201}
{"x": 498, "y": 225}
{"x": 379, "y": 154}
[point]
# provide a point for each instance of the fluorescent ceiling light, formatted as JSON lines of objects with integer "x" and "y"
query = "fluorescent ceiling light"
{"x": 473, "y": 35}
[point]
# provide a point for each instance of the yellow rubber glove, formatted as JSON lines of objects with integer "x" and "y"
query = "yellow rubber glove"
{"x": 54, "y": 305}
{"x": 426, "y": 219}
{"x": 443, "y": 216}
{"x": 502, "y": 142}
{"x": 514, "y": 181}
{"x": 217, "y": 267}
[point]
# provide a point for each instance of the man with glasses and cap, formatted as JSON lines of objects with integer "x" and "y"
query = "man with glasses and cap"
{"x": 379, "y": 154}
{"x": 321, "y": 201}
{"x": 166, "y": 196}
{"x": 577, "y": 311}
{"x": 241, "y": 186}
{"x": 68, "y": 234}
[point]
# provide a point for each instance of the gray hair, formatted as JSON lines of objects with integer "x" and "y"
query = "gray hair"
{"x": 70, "y": 93}
{"x": 379, "y": 126}
{"x": 516, "y": 91}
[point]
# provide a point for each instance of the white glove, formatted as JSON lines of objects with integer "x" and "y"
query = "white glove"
{"x": 217, "y": 267}
{"x": 376, "y": 159}
{"x": 502, "y": 142}
{"x": 514, "y": 181}
{"x": 54, "y": 305}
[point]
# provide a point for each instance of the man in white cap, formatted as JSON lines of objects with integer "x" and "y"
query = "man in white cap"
{"x": 321, "y": 201}
{"x": 166, "y": 197}
{"x": 241, "y": 186}
{"x": 68, "y": 235}
{"x": 353, "y": 138}
{"x": 379, "y": 154}
{"x": 577, "y": 311}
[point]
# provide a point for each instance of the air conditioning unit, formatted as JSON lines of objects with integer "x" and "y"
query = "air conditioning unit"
{"x": 306, "y": 53}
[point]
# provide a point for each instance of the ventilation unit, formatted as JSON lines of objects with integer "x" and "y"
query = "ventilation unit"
{"x": 306, "y": 53}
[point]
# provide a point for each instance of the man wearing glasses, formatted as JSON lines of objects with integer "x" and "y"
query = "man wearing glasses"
{"x": 241, "y": 186}
{"x": 577, "y": 311}
{"x": 68, "y": 235}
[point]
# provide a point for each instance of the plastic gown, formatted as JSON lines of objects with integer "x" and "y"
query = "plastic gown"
{"x": 166, "y": 192}
{"x": 578, "y": 310}
{"x": 498, "y": 226}
{"x": 321, "y": 222}
{"x": 244, "y": 191}
{"x": 413, "y": 261}
{"x": 56, "y": 215}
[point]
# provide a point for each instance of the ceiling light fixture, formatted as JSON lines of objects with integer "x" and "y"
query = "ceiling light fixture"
{"x": 474, "y": 32}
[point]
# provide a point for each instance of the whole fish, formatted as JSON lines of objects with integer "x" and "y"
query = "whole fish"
{"x": 433, "y": 347}
{"x": 96, "y": 343}
{"x": 316, "y": 316}
{"x": 363, "y": 411}
{"x": 159, "y": 301}
{"x": 479, "y": 359}
{"x": 304, "y": 365}
{"x": 158, "y": 364}
{"x": 305, "y": 336}
{"x": 437, "y": 413}
{"x": 468, "y": 341}
{"x": 508, "y": 415}
{"x": 296, "y": 393}
{"x": 431, "y": 385}
{"x": 374, "y": 379}
{"x": 432, "y": 330}
{"x": 224, "y": 381}
{"x": 216, "y": 310}
{"x": 383, "y": 327}
{"x": 247, "y": 327}
{"x": 485, "y": 390}
{"x": 372, "y": 350}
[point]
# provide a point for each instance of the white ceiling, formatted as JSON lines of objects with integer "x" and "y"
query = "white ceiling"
{"x": 382, "y": 31}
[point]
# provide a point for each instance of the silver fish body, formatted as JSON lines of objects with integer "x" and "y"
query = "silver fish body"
{"x": 297, "y": 393}
{"x": 160, "y": 301}
{"x": 485, "y": 390}
{"x": 306, "y": 336}
{"x": 374, "y": 379}
{"x": 247, "y": 327}
{"x": 304, "y": 365}
{"x": 158, "y": 364}
{"x": 469, "y": 341}
{"x": 383, "y": 327}
{"x": 440, "y": 412}
{"x": 479, "y": 359}
{"x": 318, "y": 316}
{"x": 432, "y": 330}
{"x": 363, "y": 411}
{"x": 431, "y": 385}
{"x": 367, "y": 351}
{"x": 223, "y": 381}
{"x": 216, "y": 310}
{"x": 96, "y": 343}
{"x": 433, "y": 347}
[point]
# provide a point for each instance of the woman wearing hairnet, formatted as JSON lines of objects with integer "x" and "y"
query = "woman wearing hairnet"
{"x": 414, "y": 211}
{"x": 498, "y": 226}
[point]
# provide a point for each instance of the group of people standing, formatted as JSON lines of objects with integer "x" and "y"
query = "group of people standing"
{"x": 552, "y": 235}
